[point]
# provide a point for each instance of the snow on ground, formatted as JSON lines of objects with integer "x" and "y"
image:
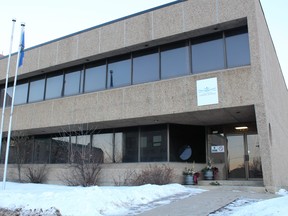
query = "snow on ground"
{"x": 251, "y": 207}
{"x": 94, "y": 201}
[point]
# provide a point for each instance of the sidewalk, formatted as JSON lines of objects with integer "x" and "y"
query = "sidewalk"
{"x": 207, "y": 202}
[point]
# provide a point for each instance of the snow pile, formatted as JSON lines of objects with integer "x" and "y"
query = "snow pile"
{"x": 88, "y": 201}
{"x": 250, "y": 207}
{"x": 271, "y": 207}
{"x": 282, "y": 192}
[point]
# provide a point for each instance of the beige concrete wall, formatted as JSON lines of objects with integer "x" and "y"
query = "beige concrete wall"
{"x": 150, "y": 99}
{"x": 110, "y": 174}
{"x": 260, "y": 84}
{"x": 272, "y": 114}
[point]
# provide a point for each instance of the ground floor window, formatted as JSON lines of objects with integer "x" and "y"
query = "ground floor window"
{"x": 153, "y": 143}
{"x": 187, "y": 143}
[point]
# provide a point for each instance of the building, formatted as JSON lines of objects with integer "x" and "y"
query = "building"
{"x": 184, "y": 82}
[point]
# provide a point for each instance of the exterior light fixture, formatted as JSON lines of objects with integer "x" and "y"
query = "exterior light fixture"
{"x": 241, "y": 128}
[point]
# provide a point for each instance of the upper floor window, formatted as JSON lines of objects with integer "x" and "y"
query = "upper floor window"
{"x": 21, "y": 93}
{"x": 73, "y": 83}
{"x": 36, "y": 90}
{"x": 95, "y": 77}
{"x": 146, "y": 66}
{"x": 208, "y": 54}
{"x": 237, "y": 48}
{"x": 54, "y": 87}
{"x": 175, "y": 60}
{"x": 119, "y": 72}
{"x": 217, "y": 51}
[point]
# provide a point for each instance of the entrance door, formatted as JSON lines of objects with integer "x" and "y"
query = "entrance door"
{"x": 243, "y": 156}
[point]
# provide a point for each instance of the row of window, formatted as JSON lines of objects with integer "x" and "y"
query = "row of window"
{"x": 213, "y": 52}
{"x": 136, "y": 144}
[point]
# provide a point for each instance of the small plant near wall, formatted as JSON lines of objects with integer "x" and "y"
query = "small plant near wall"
{"x": 190, "y": 175}
{"x": 210, "y": 172}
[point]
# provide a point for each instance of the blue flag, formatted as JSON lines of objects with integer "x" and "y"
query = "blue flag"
{"x": 22, "y": 44}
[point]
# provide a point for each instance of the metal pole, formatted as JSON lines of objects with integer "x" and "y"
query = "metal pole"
{"x": 6, "y": 84}
{"x": 12, "y": 104}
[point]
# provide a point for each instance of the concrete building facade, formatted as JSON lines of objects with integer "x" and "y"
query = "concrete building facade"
{"x": 177, "y": 84}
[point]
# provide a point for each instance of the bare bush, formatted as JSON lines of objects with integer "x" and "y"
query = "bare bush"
{"x": 85, "y": 160}
{"x": 37, "y": 173}
{"x": 85, "y": 169}
{"x": 20, "y": 150}
{"x": 125, "y": 179}
{"x": 159, "y": 175}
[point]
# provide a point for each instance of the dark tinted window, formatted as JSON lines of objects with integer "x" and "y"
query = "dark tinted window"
{"x": 186, "y": 139}
{"x": 54, "y": 87}
{"x": 237, "y": 48}
{"x": 174, "y": 60}
{"x": 9, "y": 95}
{"x": 119, "y": 72}
{"x": 102, "y": 145}
{"x": 153, "y": 144}
{"x": 22, "y": 149}
{"x": 41, "y": 150}
{"x": 130, "y": 145}
{"x": 208, "y": 55}
{"x": 60, "y": 148}
{"x": 95, "y": 78}
{"x": 145, "y": 67}
{"x": 36, "y": 90}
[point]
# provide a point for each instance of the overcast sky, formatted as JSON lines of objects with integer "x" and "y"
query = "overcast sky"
{"x": 48, "y": 20}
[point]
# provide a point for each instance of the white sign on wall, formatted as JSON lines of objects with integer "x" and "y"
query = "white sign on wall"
{"x": 217, "y": 149}
{"x": 207, "y": 91}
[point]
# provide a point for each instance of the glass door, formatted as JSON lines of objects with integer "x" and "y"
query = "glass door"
{"x": 254, "y": 165}
{"x": 243, "y": 156}
{"x": 235, "y": 156}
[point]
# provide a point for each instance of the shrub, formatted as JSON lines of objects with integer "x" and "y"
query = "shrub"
{"x": 83, "y": 174}
{"x": 159, "y": 175}
{"x": 37, "y": 173}
{"x": 84, "y": 171}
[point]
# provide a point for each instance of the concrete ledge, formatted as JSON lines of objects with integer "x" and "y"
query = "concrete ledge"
{"x": 254, "y": 183}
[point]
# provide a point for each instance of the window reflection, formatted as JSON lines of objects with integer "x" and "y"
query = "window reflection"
{"x": 21, "y": 150}
{"x": 174, "y": 60}
{"x": 118, "y": 153}
{"x": 213, "y": 52}
{"x": 72, "y": 83}
{"x": 130, "y": 145}
{"x": 146, "y": 67}
{"x": 95, "y": 78}
{"x": 36, "y": 90}
{"x": 237, "y": 48}
{"x": 208, "y": 55}
{"x": 102, "y": 144}
{"x": 60, "y": 149}
{"x": 153, "y": 144}
{"x": 21, "y": 93}
{"x": 9, "y": 95}
{"x": 41, "y": 150}
{"x": 119, "y": 72}
{"x": 54, "y": 87}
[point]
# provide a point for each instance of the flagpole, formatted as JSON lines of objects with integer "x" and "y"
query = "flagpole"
{"x": 19, "y": 63}
{"x": 6, "y": 85}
